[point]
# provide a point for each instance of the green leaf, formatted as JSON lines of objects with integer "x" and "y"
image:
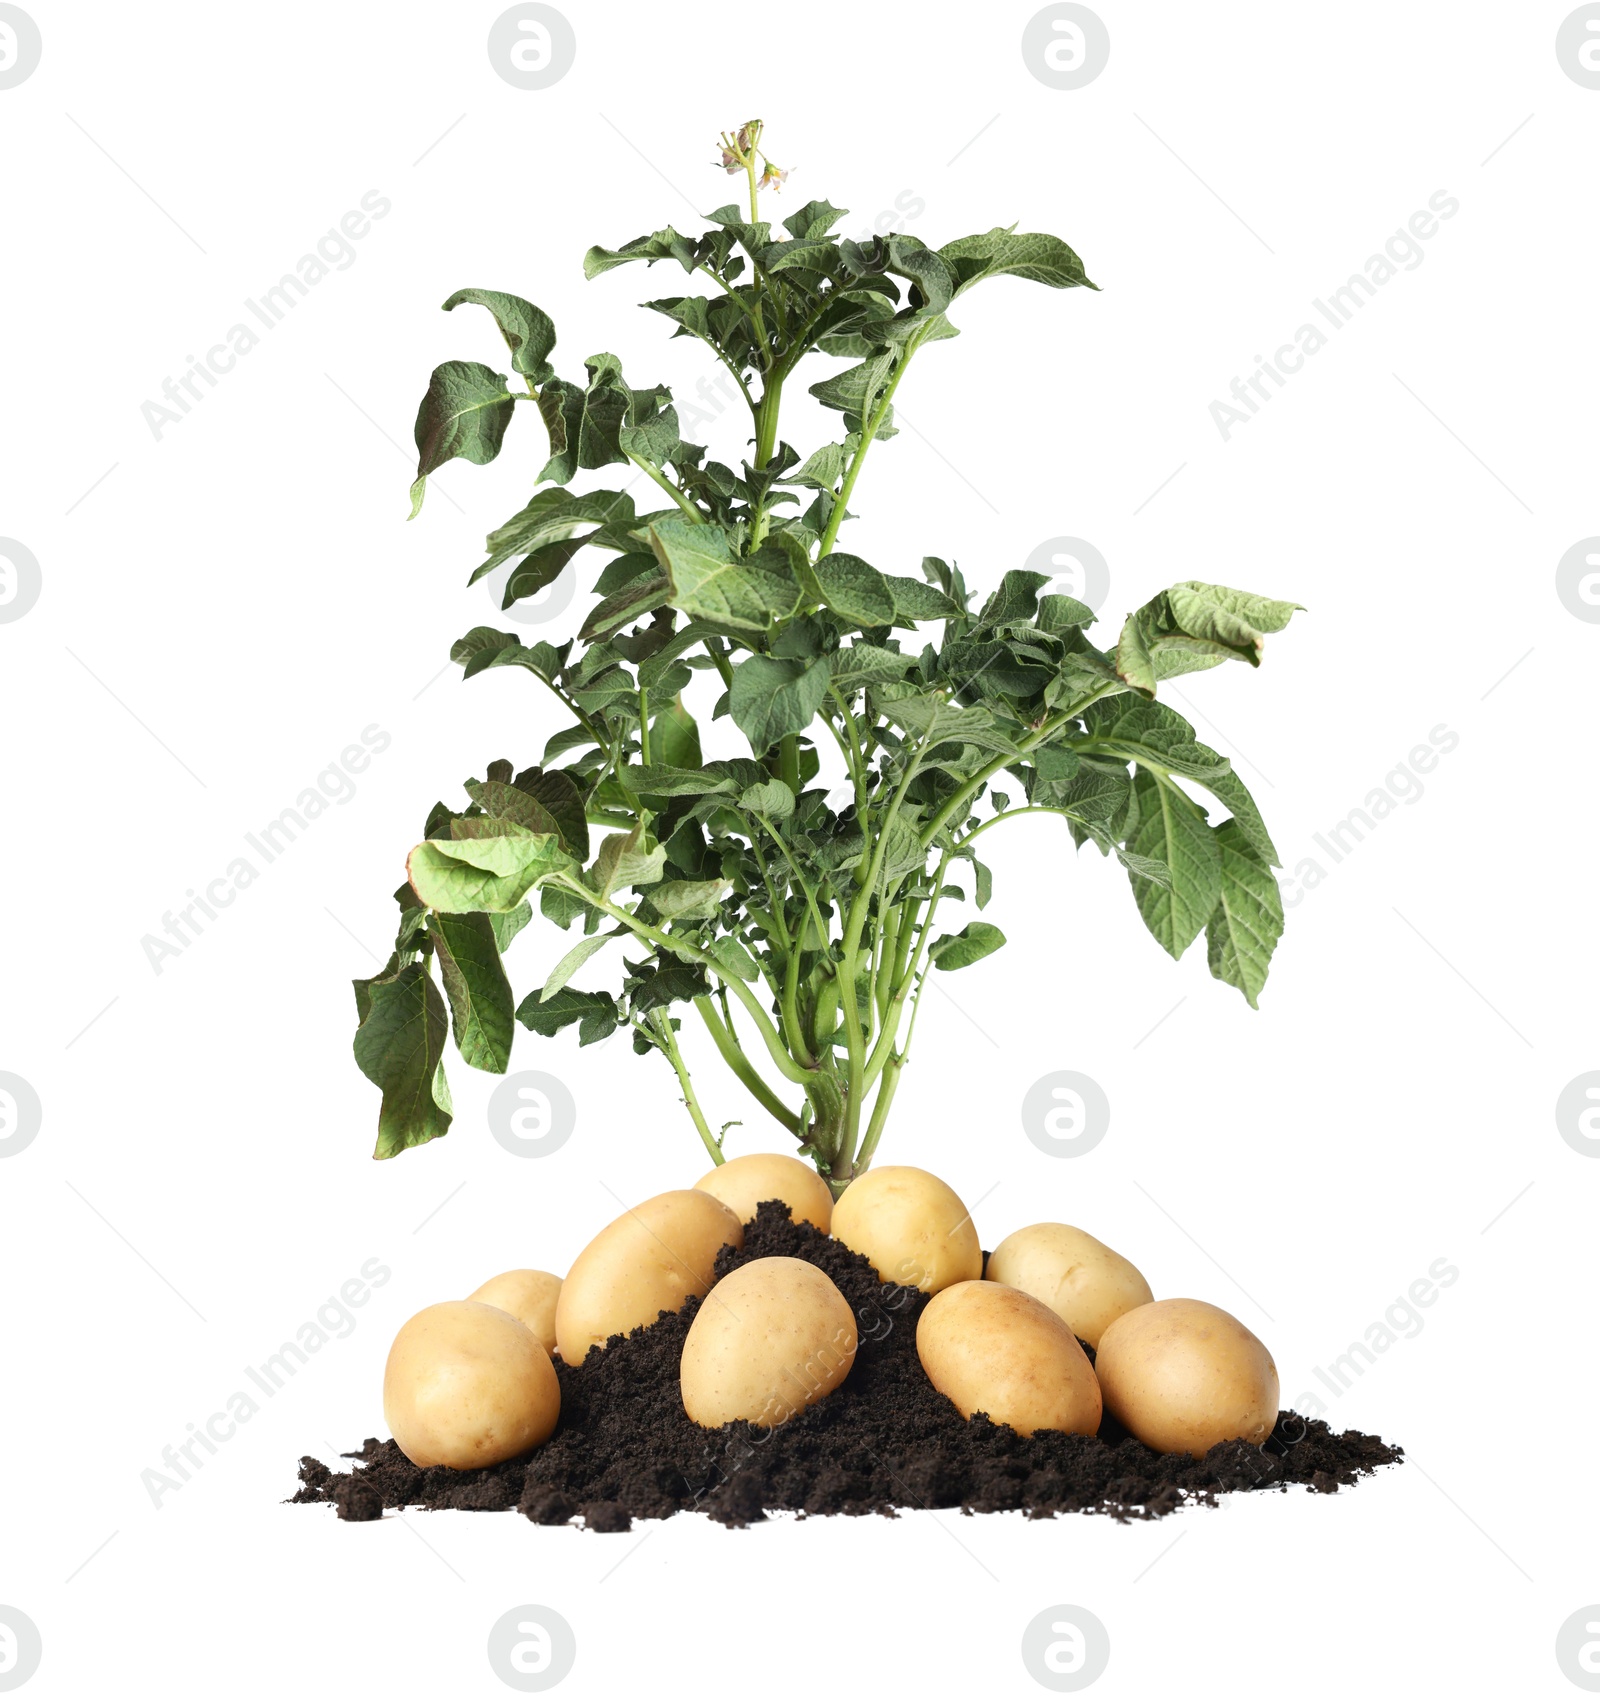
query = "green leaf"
{"x": 643, "y": 595}
{"x": 488, "y": 874}
{"x": 854, "y": 590}
{"x": 507, "y": 926}
{"x": 563, "y": 800}
{"x": 463, "y": 416}
{"x": 814, "y": 219}
{"x": 903, "y": 852}
{"x": 775, "y": 799}
{"x": 863, "y": 664}
{"x": 663, "y": 244}
{"x": 1132, "y": 727}
{"x": 1232, "y": 617}
{"x": 1016, "y": 600}
{"x": 660, "y": 780}
{"x": 552, "y": 516}
{"x": 671, "y": 980}
{"x": 854, "y": 391}
{"x": 534, "y": 810}
{"x": 993, "y": 668}
{"x": 400, "y": 1047}
{"x": 685, "y": 898}
{"x": 734, "y": 957}
{"x": 916, "y": 601}
{"x": 1247, "y": 921}
{"x": 708, "y": 581}
{"x": 1001, "y": 252}
{"x": 675, "y": 737}
{"x": 655, "y": 438}
{"x": 971, "y": 943}
{"x": 572, "y": 960}
{"x": 480, "y": 645}
{"x": 528, "y": 332}
{"x": 1194, "y": 626}
{"x": 1060, "y": 613}
{"x": 475, "y": 982}
{"x": 1228, "y": 787}
{"x": 561, "y": 906}
{"x": 1172, "y": 830}
{"x": 771, "y": 699}
{"x": 826, "y": 466}
{"x": 584, "y": 423}
{"x": 592, "y": 1011}
{"x": 621, "y": 864}
{"x": 540, "y": 570}
{"x": 928, "y": 715}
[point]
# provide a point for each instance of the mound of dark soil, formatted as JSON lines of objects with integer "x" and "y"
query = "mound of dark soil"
{"x": 885, "y": 1440}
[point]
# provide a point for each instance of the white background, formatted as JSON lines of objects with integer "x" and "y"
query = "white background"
{"x": 230, "y": 605}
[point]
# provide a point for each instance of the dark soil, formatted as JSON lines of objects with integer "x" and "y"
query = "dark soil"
{"x": 885, "y": 1440}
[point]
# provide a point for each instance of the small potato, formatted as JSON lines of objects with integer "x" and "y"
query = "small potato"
{"x": 748, "y": 1179}
{"x": 772, "y": 1338}
{"x": 1182, "y": 1375}
{"x": 529, "y": 1296}
{"x": 654, "y": 1257}
{"x": 911, "y": 1226}
{"x": 991, "y": 1348}
{"x": 468, "y": 1385}
{"x": 1073, "y": 1274}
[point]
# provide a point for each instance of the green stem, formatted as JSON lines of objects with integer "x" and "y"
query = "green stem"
{"x": 853, "y": 471}
{"x": 905, "y": 976}
{"x": 669, "y": 1044}
{"x": 644, "y": 726}
{"x": 657, "y": 476}
{"x": 738, "y": 1062}
{"x": 880, "y": 1111}
{"x": 784, "y": 1061}
{"x": 964, "y": 796}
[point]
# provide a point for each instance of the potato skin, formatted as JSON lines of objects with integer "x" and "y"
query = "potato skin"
{"x": 1182, "y": 1376}
{"x": 1076, "y": 1276}
{"x": 773, "y": 1337}
{"x": 654, "y": 1257}
{"x": 467, "y": 1385}
{"x": 994, "y": 1349}
{"x": 528, "y": 1296}
{"x": 749, "y": 1179}
{"x": 911, "y": 1226}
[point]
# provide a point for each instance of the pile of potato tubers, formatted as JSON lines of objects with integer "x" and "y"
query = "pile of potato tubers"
{"x": 469, "y": 1384}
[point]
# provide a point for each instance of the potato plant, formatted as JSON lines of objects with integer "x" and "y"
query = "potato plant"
{"x": 794, "y": 918}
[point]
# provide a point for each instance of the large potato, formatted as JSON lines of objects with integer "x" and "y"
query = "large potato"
{"x": 911, "y": 1226}
{"x": 529, "y": 1296}
{"x": 654, "y": 1257}
{"x": 467, "y": 1385}
{"x": 772, "y": 1338}
{"x": 997, "y": 1350}
{"x": 1071, "y": 1273}
{"x": 748, "y": 1179}
{"x": 1182, "y": 1375}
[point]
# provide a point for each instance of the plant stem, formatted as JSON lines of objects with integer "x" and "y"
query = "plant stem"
{"x": 656, "y": 476}
{"x": 644, "y": 726}
{"x": 785, "y": 1062}
{"x": 880, "y": 1110}
{"x": 669, "y": 1044}
{"x": 739, "y": 1065}
{"x": 853, "y": 471}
